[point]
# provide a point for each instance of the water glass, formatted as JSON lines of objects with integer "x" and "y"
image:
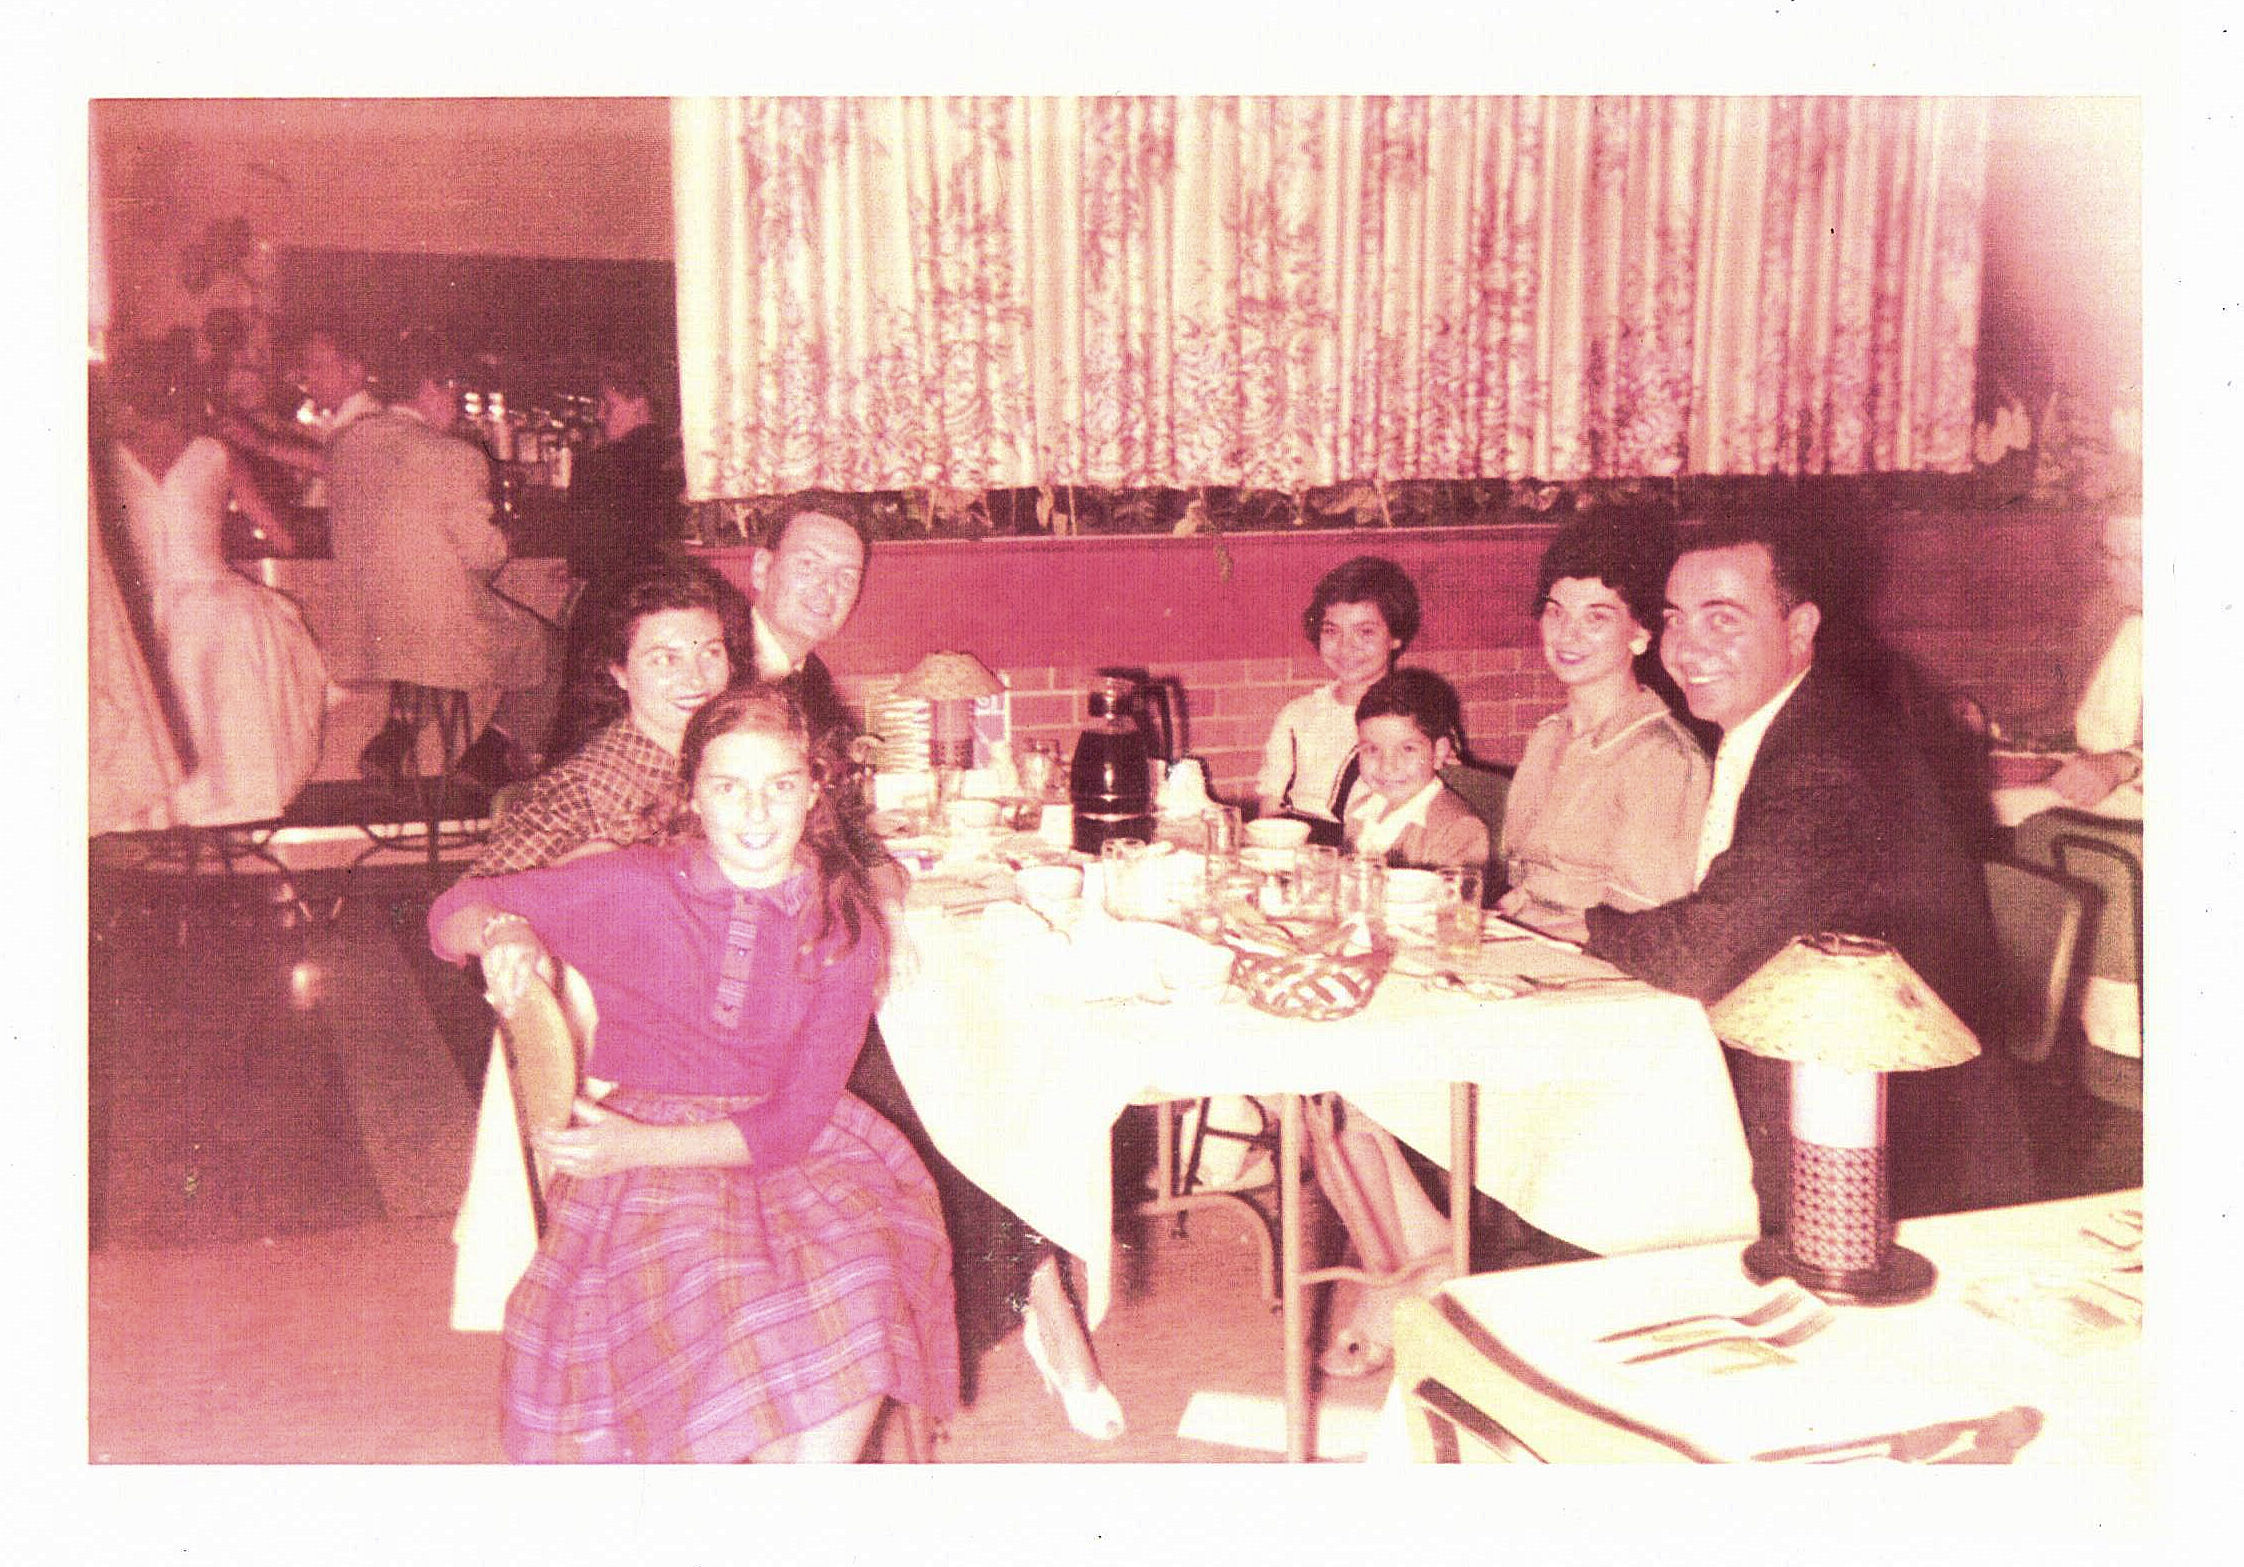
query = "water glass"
{"x": 1221, "y": 827}
{"x": 1122, "y": 866}
{"x": 1316, "y": 881}
{"x": 1363, "y": 889}
{"x": 1457, "y": 927}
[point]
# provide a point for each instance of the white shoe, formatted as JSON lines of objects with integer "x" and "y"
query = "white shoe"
{"x": 1092, "y": 1411}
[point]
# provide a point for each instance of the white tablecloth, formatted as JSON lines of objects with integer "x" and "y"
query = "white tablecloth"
{"x": 2001, "y": 1330}
{"x": 1606, "y": 1115}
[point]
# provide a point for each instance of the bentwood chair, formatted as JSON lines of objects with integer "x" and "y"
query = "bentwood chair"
{"x": 2038, "y": 918}
{"x": 546, "y": 1069}
{"x": 545, "y": 1063}
{"x": 2110, "y": 854}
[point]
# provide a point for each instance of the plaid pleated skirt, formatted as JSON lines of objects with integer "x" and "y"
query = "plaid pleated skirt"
{"x": 695, "y": 1315}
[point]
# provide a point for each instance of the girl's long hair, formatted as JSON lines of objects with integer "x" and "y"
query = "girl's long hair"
{"x": 844, "y": 894}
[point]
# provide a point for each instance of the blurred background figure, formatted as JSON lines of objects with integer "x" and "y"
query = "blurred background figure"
{"x": 246, "y": 678}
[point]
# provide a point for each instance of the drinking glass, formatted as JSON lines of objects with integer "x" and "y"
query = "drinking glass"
{"x": 1363, "y": 889}
{"x": 1316, "y": 881}
{"x": 1457, "y": 927}
{"x": 1220, "y": 824}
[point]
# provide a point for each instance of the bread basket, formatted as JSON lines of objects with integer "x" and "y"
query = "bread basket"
{"x": 1315, "y": 986}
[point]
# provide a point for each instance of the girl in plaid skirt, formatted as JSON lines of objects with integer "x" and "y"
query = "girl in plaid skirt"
{"x": 741, "y": 1260}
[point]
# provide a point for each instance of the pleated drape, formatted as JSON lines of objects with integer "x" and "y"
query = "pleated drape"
{"x": 1283, "y": 292}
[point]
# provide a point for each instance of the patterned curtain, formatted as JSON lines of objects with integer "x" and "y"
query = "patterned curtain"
{"x": 911, "y": 293}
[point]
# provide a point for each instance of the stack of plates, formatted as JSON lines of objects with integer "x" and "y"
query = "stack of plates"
{"x": 900, "y": 723}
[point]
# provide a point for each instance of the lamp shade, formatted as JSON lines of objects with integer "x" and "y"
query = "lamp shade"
{"x": 949, "y": 677}
{"x": 1847, "y": 1002}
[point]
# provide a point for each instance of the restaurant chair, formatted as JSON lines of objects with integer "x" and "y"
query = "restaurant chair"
{"x": 1485, "y": 789}
{"x": 546, "y": 1042}
{"x": 2110, "y": 855}
{"x": 2038, "y": 919}
{"x": 545, "y": 1068}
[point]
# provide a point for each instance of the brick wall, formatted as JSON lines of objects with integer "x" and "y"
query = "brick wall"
{"x": 1988, "y": 604}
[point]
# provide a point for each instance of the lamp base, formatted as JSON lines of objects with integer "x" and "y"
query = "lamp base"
{"x": 1906, "y": 1276}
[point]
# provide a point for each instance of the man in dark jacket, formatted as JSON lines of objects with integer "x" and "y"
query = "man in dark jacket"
{"x": 1823, "y": 816}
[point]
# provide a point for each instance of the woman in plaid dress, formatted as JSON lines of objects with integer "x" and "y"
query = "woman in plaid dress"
{"x": 741, "y": 1258}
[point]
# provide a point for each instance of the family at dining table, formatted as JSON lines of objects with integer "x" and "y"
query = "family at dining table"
{"x": 753, "y": 1240}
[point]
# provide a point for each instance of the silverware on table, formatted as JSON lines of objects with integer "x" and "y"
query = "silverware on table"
{"x": 1773, "y": 1338}
{"x": 1787, "y": 1298}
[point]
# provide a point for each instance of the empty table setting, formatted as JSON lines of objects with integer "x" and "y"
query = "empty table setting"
{"x": 2028, "y": 1350}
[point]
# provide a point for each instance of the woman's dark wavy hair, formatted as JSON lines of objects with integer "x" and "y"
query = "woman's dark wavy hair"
{"x": 600, "y": 636}
{"x": 845, "y": 896}
{"x": 1366, "y": 579}
{"x": 1632, "y": 558}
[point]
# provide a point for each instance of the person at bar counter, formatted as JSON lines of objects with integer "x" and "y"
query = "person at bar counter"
{"x": 1823, "y": 815}
{"x": 804, "y": 582}
{"x": 334, "y": 376}
{"x": 623, "y": 496}
{"x": 742, "y": 1260}
{"x": 410, "y": 520}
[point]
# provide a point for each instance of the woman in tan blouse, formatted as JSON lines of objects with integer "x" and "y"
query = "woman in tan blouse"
{"x": 1606, "y": 805}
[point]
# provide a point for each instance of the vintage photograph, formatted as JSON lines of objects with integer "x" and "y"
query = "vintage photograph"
{"x": 1169, "y": 780}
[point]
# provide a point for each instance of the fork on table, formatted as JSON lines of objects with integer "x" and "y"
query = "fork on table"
{"x": 1754, "y": 1341}
{"x": 1787, "y": 1298}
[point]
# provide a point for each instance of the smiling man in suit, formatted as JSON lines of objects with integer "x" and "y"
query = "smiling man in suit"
{"x": 1824, "y": 815}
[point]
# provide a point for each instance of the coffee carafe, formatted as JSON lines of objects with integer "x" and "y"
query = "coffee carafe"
{"x": 1110, "y": 781}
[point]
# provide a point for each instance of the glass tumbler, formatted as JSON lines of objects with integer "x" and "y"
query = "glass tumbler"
{"x": 1316, "y": 882}
{"x": 1457, "y": 926}
{"x": 1363, "y": 890}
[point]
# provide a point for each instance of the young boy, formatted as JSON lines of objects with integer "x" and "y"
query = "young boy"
{"x": 1407, "y": 731}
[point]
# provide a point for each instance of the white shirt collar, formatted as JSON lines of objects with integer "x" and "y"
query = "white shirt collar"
{"x": 1376, "y": 831}
{"x": 350, "y": 410}
{"x": 773, "y": 662}
{"x": 1733, "y": 764}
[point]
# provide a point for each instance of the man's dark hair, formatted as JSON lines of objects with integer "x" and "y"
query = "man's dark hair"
{"x": 627, "y": 378}
{"x": 419, "y": 357}
{"x": 1366, "y": 579}
{"x": 1794, "y": 555}
{"x": 1421, "y": 696}
{"x": 349, "y": 341}
{"x": 826, "y": 503}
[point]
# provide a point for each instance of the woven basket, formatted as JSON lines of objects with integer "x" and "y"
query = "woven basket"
{"x": 1308, "y": 985}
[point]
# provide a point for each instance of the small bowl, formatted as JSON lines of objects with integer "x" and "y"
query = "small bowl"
{"x": 1277, "y": 832}
{"x": 1189, "y": 968}
{"x": 970, "y": 815}
{"x": 1042, "y": 885}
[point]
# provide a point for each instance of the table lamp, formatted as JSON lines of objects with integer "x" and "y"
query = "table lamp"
{"x": 949, "y": 683}
{"x": 1844, "y": 1011}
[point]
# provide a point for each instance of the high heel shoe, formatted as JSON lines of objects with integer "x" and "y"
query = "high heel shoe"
{"x": 1356, "y": 1347}
{"x": 1093, "y": 1411}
